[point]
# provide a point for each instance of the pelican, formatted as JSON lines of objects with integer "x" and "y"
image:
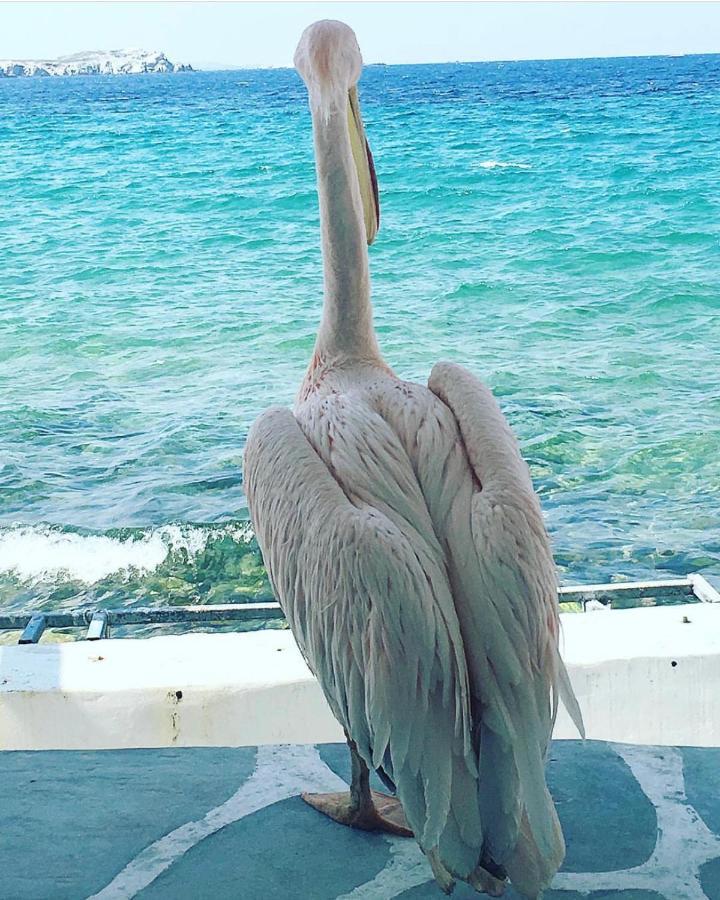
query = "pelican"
{"x": 406, "y": 546}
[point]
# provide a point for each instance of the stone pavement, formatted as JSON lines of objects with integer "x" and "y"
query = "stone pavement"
{"x": 641, "y": 823}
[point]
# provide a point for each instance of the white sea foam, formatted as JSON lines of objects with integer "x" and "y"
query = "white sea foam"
{"x": 497, "y": 164}
{"x": 42, "y": 553}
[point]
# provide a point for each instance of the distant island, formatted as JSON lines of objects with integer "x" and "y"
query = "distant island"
{"x": 94, "y": 62}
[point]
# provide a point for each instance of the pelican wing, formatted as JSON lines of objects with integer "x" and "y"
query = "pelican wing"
{"x": 507, "y": 606}
{"x": 369, "y": 603}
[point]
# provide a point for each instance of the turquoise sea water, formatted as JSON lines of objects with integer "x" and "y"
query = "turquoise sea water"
{"x": 554, "y": 226}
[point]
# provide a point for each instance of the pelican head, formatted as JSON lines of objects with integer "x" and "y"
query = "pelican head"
{"x": 328, "y": 60}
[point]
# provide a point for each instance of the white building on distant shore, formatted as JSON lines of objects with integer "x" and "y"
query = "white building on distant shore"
{"x": 109, "y": 62}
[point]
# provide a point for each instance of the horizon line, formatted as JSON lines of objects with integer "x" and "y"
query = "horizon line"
{"x": 223, "y": 67}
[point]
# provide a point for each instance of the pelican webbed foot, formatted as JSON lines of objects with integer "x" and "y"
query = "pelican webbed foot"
{"x": 362, "y": 807}
{"x": 378, "y": 812}
{"x": 486, "y": 883}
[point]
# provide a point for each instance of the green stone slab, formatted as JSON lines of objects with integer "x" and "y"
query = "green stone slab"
{"x": 70, "y": 821}
{"x": 429, "y": 891}
{"x": 284, "y": 852}
{"x": 710, "y": 879}
{"x": 599, "y": 802}
{"x": 701, "y": 766}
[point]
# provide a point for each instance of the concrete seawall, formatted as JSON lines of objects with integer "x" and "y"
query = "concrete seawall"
{"x": 642, "y": 676}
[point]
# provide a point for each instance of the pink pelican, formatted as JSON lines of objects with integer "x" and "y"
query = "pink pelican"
{"x": 406, "y": 545}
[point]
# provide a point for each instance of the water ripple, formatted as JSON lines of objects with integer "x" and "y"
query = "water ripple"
{"x": 552, "y": 225}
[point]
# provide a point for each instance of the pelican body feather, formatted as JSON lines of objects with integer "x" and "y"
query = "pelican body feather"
{"x": 406, "y": 545}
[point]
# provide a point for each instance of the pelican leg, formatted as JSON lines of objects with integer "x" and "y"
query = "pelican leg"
{"x": 362, "y": 807}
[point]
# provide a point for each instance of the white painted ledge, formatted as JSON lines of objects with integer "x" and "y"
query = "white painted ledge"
{"x": 254, "y": 688}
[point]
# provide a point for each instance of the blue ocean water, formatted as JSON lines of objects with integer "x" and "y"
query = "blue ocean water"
{"x": 554, "y": 226}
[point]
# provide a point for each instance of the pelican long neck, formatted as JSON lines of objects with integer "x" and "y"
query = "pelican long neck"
{"x": 346, "y": 330}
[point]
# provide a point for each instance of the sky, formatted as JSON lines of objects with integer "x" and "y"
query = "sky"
{"x": 225, "y": 35}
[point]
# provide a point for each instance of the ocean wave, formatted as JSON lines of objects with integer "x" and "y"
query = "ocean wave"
{"x": 49, "y": 553}
{"x": 160, "y": 360}
{"x": 498, "y": 164}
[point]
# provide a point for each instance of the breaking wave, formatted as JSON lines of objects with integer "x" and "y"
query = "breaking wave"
{"x": 497, "y": 164}
{"x": 166, "y": 564}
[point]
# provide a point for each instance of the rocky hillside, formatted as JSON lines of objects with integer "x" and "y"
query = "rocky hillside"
{"x": 110, "y": 62}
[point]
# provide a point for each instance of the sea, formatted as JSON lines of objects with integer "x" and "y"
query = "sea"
{"x": 553, "y": 226}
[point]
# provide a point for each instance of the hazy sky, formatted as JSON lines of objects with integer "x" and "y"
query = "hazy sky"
{"x": 261, "y": 34}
